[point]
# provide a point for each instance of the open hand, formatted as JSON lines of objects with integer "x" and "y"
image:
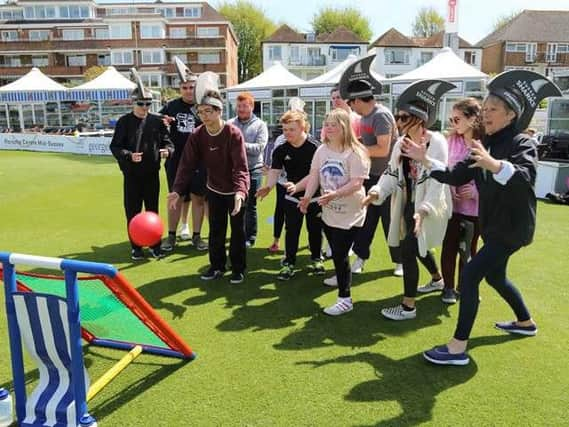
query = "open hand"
{"x": 237, "y": 203}
{"x": 173, "y": 200}
{"x": 262, "y": 192}
{"x": 290, "y": 187}
{"x": 303, "y": 204}
{"x": 483, "y": 159}
{"x": 411, "y": 149}
{"x": 327, "y": 197}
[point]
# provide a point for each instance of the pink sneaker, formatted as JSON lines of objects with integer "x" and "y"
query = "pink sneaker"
{"x": 274, "y": 248}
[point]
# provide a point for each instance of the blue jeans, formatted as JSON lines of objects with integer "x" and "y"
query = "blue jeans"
{"x": 489, "y": 263}
{"x": 256, "y": 180}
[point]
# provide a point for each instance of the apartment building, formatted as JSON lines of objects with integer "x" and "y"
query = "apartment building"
{"x": 64, "y": 38}
{"x": 398, "y": 54}
{"x": 307, "y": 55}
{"x": 535, "y": 40}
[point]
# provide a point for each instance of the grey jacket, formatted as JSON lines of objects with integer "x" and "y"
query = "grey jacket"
{"x": 256, "y": 135}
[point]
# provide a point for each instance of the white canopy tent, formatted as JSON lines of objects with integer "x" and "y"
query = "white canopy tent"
{"x": 111, "y": 79}
{"x": 446, "y": 65}
{"x": 27, "y": 96}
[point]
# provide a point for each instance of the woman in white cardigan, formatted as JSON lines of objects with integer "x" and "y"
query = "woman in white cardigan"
{"x": 420, "y": 206}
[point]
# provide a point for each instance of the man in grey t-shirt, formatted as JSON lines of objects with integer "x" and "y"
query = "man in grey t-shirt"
{"x": 378, "y": 134}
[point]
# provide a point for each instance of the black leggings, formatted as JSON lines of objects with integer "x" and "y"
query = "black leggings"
{"x": 341, "y": 241}
{"x": 489, "y": 263}
{"x": 409, "y": 255}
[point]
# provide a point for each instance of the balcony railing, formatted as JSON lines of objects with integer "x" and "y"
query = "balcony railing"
{"x": 308, "y": 61}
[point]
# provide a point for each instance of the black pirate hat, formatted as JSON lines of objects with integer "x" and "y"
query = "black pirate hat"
{"x": 140, "y": 93}
{"x": 357, "y": 81}
{"x": 422, "y": 98}
{"x": 522, "y": 90}
{"x": 184, "y": 71}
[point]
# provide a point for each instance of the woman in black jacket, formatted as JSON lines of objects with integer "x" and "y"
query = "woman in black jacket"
{"x": 503, "y": 167}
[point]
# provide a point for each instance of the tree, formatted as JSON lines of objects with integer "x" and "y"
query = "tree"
{"x": 428, "y": 22}
{"x": 505, "y": 19}
{"x": 328, "y": 19}
{"x": 251, "y": 27}
{"x": 93, "y": 72}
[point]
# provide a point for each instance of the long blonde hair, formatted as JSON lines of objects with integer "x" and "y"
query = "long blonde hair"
{"x": 349, "y": 140}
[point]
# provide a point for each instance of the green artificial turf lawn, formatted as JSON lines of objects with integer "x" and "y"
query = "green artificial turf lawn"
{"x": 267, "y": 355}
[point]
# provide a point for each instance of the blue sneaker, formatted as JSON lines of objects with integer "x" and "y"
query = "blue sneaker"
{"x": 441, "y": 356}
{"x": 513, "y": 328}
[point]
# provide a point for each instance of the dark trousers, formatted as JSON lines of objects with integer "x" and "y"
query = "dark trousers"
{"x": 409, "y": 255}
{"x": 341, "y": 241}
{"x": 489, "y": 263}
{"x": 138, "y": 190}
{"x": 293, "y": 225}
{"x": 451, "y": 245}
{"x": 279, "y": 216}
{"x": 255, "y": 181}
{"x": 362, "y": 243}
{"x": 220, "y": 207}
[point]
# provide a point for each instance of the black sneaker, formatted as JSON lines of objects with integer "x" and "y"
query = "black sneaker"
{"x": 136, "y": 255}
{"x": 449, "y": 296}
{"x": 168, "y": 243}
{"x": 212, "y": 274}
{"x": 156, "y": 253}
{"x": 236, "y": 278}
{"x": 286, "y": 273}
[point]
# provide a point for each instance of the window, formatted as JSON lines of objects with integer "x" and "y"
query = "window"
{"x": 551, "y": 55}
{"x": 470, "y": 57}
{"x": 275, "y": 53}
{"x": 151, "y": 80}
{"x": 178, "y": 33}
{"x": 531, "y": 51}
{"x": 73, "y": 35}
{"x": 12, "y": 14}
{"x": 39, "y": 35}
{"x": 341, "y": 53}
{"x": 208, "y": 32}
{"x": 397, "y": 56}
{"x": 40, "y": 61}
{"x": 123, "y": 57}
{"x": 425, "y": 57}
{"x": 9, "y": 36}
{"x": 104, "y": 60}
{"x": 73, "y": 11}
{"x": 192, "y": 12}
{"x": 152, "y": 57}
{"x": 121, "y": 11}
{"x": 473, "y": 86}
{"x": 120, "y": 31}
{"x": 39, "y": 12}
{"x": 208, "y": 58}
{"x": 13, "y": 61}
{"x": 76, "y": 60}
{"x": 294, "y": 55}
{"x": 102, "y": 33}
{"x": 151, "y": 31}
{"x": 562, "y": 48}
{"x": 515, "y": 47}
{"x": 167, "y": 12}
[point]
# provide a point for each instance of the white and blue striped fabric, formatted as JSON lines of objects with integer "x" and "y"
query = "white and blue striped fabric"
{"x": 42, "y": 320}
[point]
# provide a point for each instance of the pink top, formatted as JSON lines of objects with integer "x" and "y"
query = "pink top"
{"x": 458, "y": 151}
{"x": 355, "y": 120}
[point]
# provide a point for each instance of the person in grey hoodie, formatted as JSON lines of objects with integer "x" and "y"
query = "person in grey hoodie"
{"x": 256, "y": 135}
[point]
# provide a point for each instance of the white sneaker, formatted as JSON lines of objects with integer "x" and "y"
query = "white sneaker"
{"x": 398, "y": 270}
{"x": 342, "y": 306}
{"x": 399, "y": 313}
{"x": 358, "y": 265}
{"x": 432, "y": 286}
{"x": 185, "y": 233}
{"x": 331, "y": 281}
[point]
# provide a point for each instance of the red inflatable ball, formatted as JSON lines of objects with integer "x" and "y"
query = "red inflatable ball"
{"x": 146, "y": 229}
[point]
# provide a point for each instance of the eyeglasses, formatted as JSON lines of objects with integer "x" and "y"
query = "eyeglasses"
{"x": 402, "y": 117}
{"x": 454, "y": 120}
{"x": 205, "y": 111}
{"x": 143, "y": 104}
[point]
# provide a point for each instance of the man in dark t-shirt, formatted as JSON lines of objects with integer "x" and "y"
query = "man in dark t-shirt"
{"x": 378, "y": 134}
{"x": 183, "y": 120}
